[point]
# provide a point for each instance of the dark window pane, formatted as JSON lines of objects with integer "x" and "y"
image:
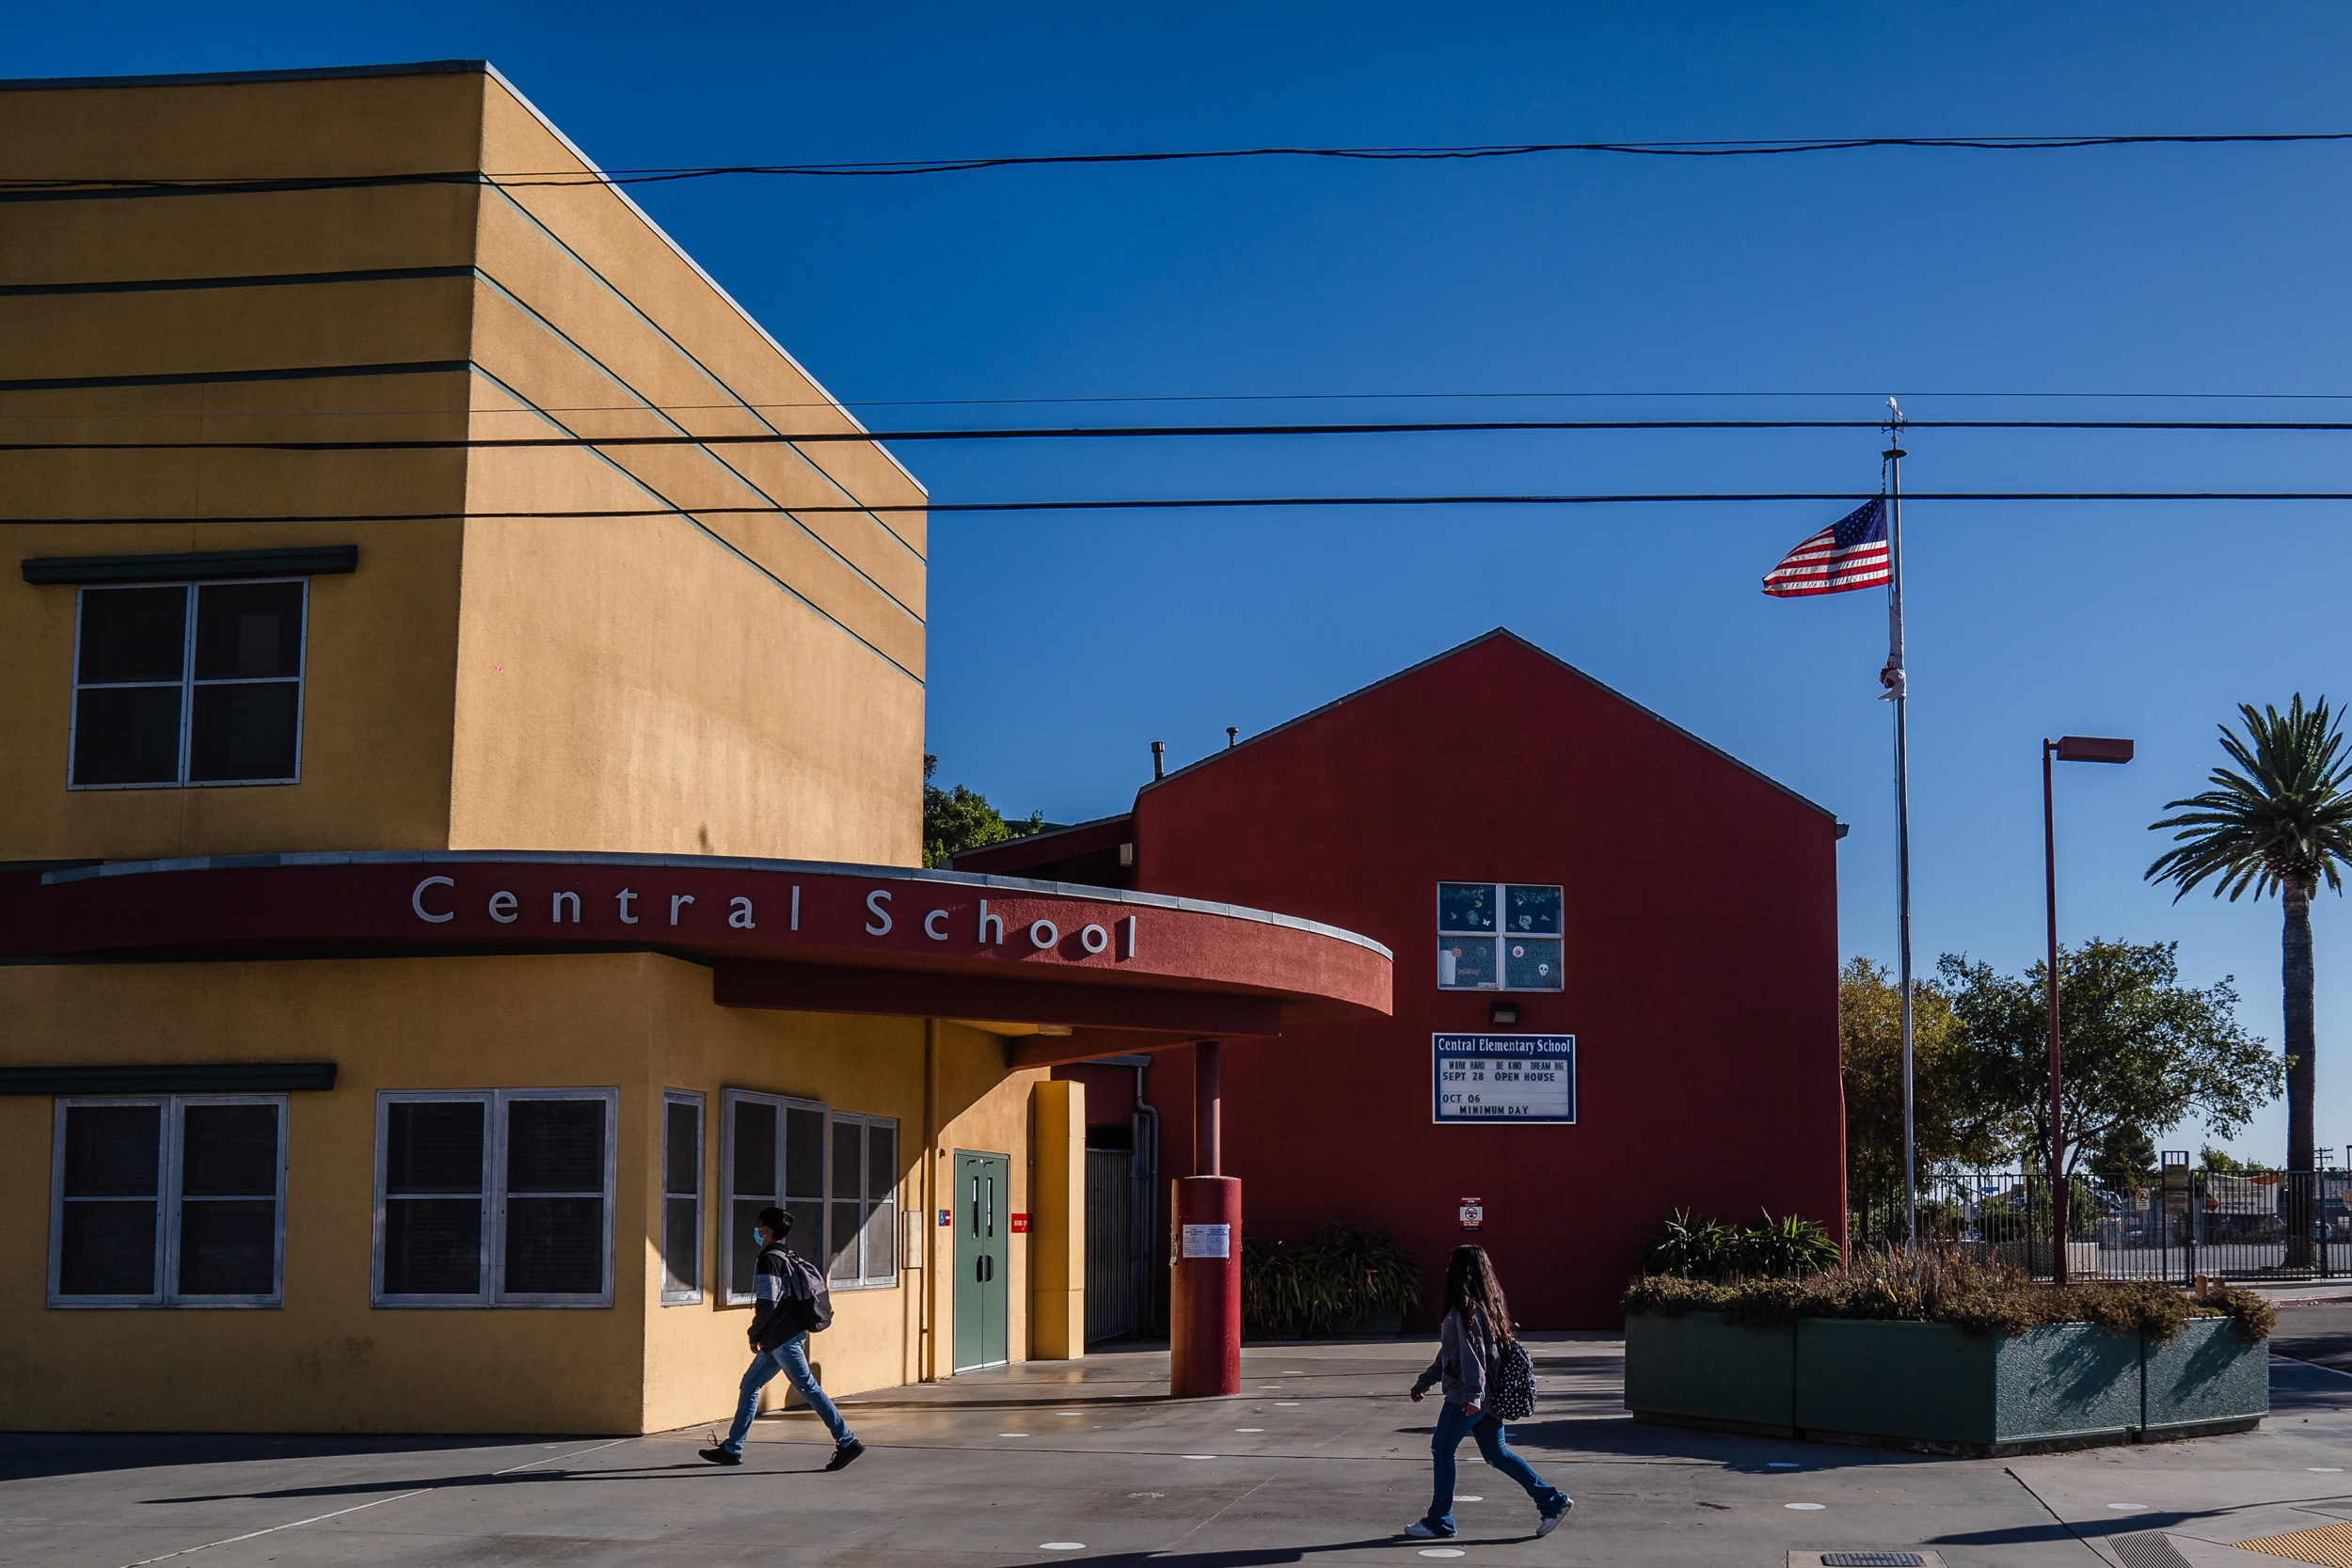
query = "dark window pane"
{"x": 742, "y": 1250}
{"x": 229, "y": 1151}
{"x": 244, "y": 732}
{"x": 111, "y": 1151}
{"x": 248, "y": 628}
{"x": 433, "y": 1246}
{"x": 1466, "y": 963}
{"x": 554, "y": 1245}
{"x": 126, "y": 734}
{"x": 808, "y": 1229}
{"x": 845, "y": 1218}
{"x": 754, "y": 1150}
{"x": 882, "y": 1163}
{"x": 682, "y": 1246}
{"x": 805, "y": 1153}
{"x": 1532, "y": 964}
{"x": 681, "y": 1168}
{"x": 106, "y": 1249}
{"x": 848, "y": 1160}
{"x": 133, "y": 634}
{"x": 555, "y": 1146}
{"x": 433, "y": 1147}
{"x": 228, "y": 1248}
{"x": 882, "y": 1238}
{"x": 1532, "y": 910}
{"x": 1465, "y": 906}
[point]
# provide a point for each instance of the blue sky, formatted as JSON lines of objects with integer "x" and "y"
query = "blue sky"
{"x": 1061, "y": 648}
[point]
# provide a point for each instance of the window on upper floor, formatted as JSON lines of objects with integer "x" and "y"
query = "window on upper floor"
{"x": 1498, "y": 935}
{"x": 191, "y": 683}
{"x": 168, "y": 1200}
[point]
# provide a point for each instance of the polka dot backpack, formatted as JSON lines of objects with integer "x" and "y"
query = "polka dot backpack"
{"x": 1513, "y": 1398}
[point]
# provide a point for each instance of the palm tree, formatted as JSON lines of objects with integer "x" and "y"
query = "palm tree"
{"x": 2278, "y": 822}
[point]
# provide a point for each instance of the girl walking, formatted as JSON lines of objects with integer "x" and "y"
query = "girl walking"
{"x": 1473, "y": 1339}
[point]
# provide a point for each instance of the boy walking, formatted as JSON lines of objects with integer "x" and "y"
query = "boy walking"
{"x": 791, "y": 1300}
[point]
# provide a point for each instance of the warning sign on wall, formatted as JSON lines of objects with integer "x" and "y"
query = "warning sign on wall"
{"x": 1473, "y": 1214}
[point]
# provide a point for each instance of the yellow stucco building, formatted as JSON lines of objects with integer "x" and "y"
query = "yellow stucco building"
{"x": 462, "y": 802}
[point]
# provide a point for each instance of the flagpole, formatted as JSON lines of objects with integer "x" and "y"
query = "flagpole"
{"x": 1892, "y": 677}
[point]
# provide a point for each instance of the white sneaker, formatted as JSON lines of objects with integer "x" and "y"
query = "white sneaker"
{"x": 1419, "y": 1529}
{"x": 1546, "y": 1522}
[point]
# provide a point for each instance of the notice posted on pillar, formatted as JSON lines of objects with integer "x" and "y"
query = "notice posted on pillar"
{"x": 1208, "y": 1241}
{"x": 1504, "y": 1077}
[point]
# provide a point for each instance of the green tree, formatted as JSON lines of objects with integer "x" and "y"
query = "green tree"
{"x": 2219, "y": 1163}
{"x": 2141, "y": 1053}
{"x": 2277, "y": 822}
{"x": 1953, "y": 1126}
{"x": 962, "y": 818}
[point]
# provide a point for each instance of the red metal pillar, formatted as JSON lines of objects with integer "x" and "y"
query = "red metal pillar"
{"x": 1204, "y": 1253}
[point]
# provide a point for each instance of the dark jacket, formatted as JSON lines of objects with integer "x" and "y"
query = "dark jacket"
{"x": 776, "y": 1315}
{"x": 1465, "y": 1354}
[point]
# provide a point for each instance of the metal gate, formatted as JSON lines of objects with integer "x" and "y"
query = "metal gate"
{"x": 1111, "y": 1299}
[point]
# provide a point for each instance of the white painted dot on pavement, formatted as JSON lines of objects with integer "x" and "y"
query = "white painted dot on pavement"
{"x": 1249, "y": 1428}
{"x": 1062, "y": 1545}
{"x": 1441, "y": 1551}
{"x": 1199, "y": 1456}
{"x": 1293, "y": 1374}
{"x": 1013, "y": 1434}
{"x": 2326, "y": 1469}
{"x": 1286, "y": 1405}
{"x": 1468, "y": 1500}
{"x": 2129, "y": 1507}
{"x": 1807, "y": 1507}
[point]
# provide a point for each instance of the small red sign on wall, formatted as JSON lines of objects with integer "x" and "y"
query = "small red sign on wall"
{"x": 1021, "y": 1225}
{"x": 1473, "y": 1214}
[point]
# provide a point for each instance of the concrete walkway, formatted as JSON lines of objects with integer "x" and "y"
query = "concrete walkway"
{"x": 1319, "y": 1461}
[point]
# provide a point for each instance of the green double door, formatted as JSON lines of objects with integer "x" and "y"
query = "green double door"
{"x": 984, "y": 1190}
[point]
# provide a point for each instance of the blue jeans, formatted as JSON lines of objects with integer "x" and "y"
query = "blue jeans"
{"x": 1452, "y": 1426}
{"x": 791, "y": 1359}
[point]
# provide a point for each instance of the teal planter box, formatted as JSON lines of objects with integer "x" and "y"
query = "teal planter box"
{"x": 1930, "y": 1385}
{"x": 2206, "y": 1376}
{"x": 1699, "y": 1368}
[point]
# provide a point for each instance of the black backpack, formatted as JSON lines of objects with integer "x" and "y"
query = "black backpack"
{"x": 807, "y": 1306}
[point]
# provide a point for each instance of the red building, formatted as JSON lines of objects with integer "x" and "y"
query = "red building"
{"x": 1617, "y": 978}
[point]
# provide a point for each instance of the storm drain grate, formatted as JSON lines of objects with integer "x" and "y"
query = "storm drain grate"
{"x": 2149, "y": 1550}
{"x": 2329, "y": 1546}
{"x": 1873, "y": 1560}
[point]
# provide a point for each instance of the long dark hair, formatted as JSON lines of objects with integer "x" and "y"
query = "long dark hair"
{"x": 1470, "y": 1281}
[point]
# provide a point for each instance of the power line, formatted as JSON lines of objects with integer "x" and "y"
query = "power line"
{"x": 1217, "y": 504}
{"x": 891, "y": 168}
{"x": 1138, "y": 432}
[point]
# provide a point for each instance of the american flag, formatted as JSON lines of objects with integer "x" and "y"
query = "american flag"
{"x": 1850, "y": 553}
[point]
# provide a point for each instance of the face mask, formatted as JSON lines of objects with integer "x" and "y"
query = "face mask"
{"x": 758, "y": 1237}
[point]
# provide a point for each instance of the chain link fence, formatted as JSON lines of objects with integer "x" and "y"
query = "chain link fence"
{"x": 2175, "y": 1225}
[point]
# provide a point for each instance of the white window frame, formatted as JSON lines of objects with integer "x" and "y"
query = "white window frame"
{"x": 671, "y": 1297}
{"x": 782, "y": 1198}
{"x": 866, "y": 1280}
{"x": 170, "y": 1122}
{"x": 1500, "y": 932}
{"x": 494, "y": 1196}
{"x": 188, "y": 683}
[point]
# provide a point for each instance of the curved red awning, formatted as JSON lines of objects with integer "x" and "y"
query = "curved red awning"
{"x": 1121, "y": 971}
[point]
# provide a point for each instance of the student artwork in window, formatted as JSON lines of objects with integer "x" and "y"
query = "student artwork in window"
{"x": 1525, "y": 953}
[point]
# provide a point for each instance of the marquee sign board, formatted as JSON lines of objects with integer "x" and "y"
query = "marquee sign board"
{"x": 1503, "y": 1077}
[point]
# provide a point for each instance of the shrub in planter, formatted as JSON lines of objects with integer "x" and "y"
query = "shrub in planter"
{"x": 1706, "y": 1248}
{"x": 1342, "y": 1277}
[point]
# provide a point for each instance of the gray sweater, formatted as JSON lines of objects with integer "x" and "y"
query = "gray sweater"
{"x": 1465, "y": 1351}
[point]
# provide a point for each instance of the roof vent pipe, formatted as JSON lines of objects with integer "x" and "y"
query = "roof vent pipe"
{"x": 1159, "y": 760}
{"x": 1233, "y": 733}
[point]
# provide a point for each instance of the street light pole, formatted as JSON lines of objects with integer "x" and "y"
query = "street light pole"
{"x": 2069, "y": 747}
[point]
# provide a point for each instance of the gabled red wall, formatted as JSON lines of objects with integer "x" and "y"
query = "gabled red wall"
{"x": 1701, "y": 959}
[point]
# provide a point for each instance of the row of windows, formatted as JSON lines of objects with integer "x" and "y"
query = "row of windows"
{"x": 484, "y": 1197}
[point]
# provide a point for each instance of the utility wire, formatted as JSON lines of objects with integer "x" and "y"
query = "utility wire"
{"x": 520, "y": 180}
{"x": 1212, "y": 503}
{"x": 1133, "y": 432}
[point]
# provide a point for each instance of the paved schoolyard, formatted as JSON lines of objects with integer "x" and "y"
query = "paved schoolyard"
{"x": 1319, "y": 1461}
